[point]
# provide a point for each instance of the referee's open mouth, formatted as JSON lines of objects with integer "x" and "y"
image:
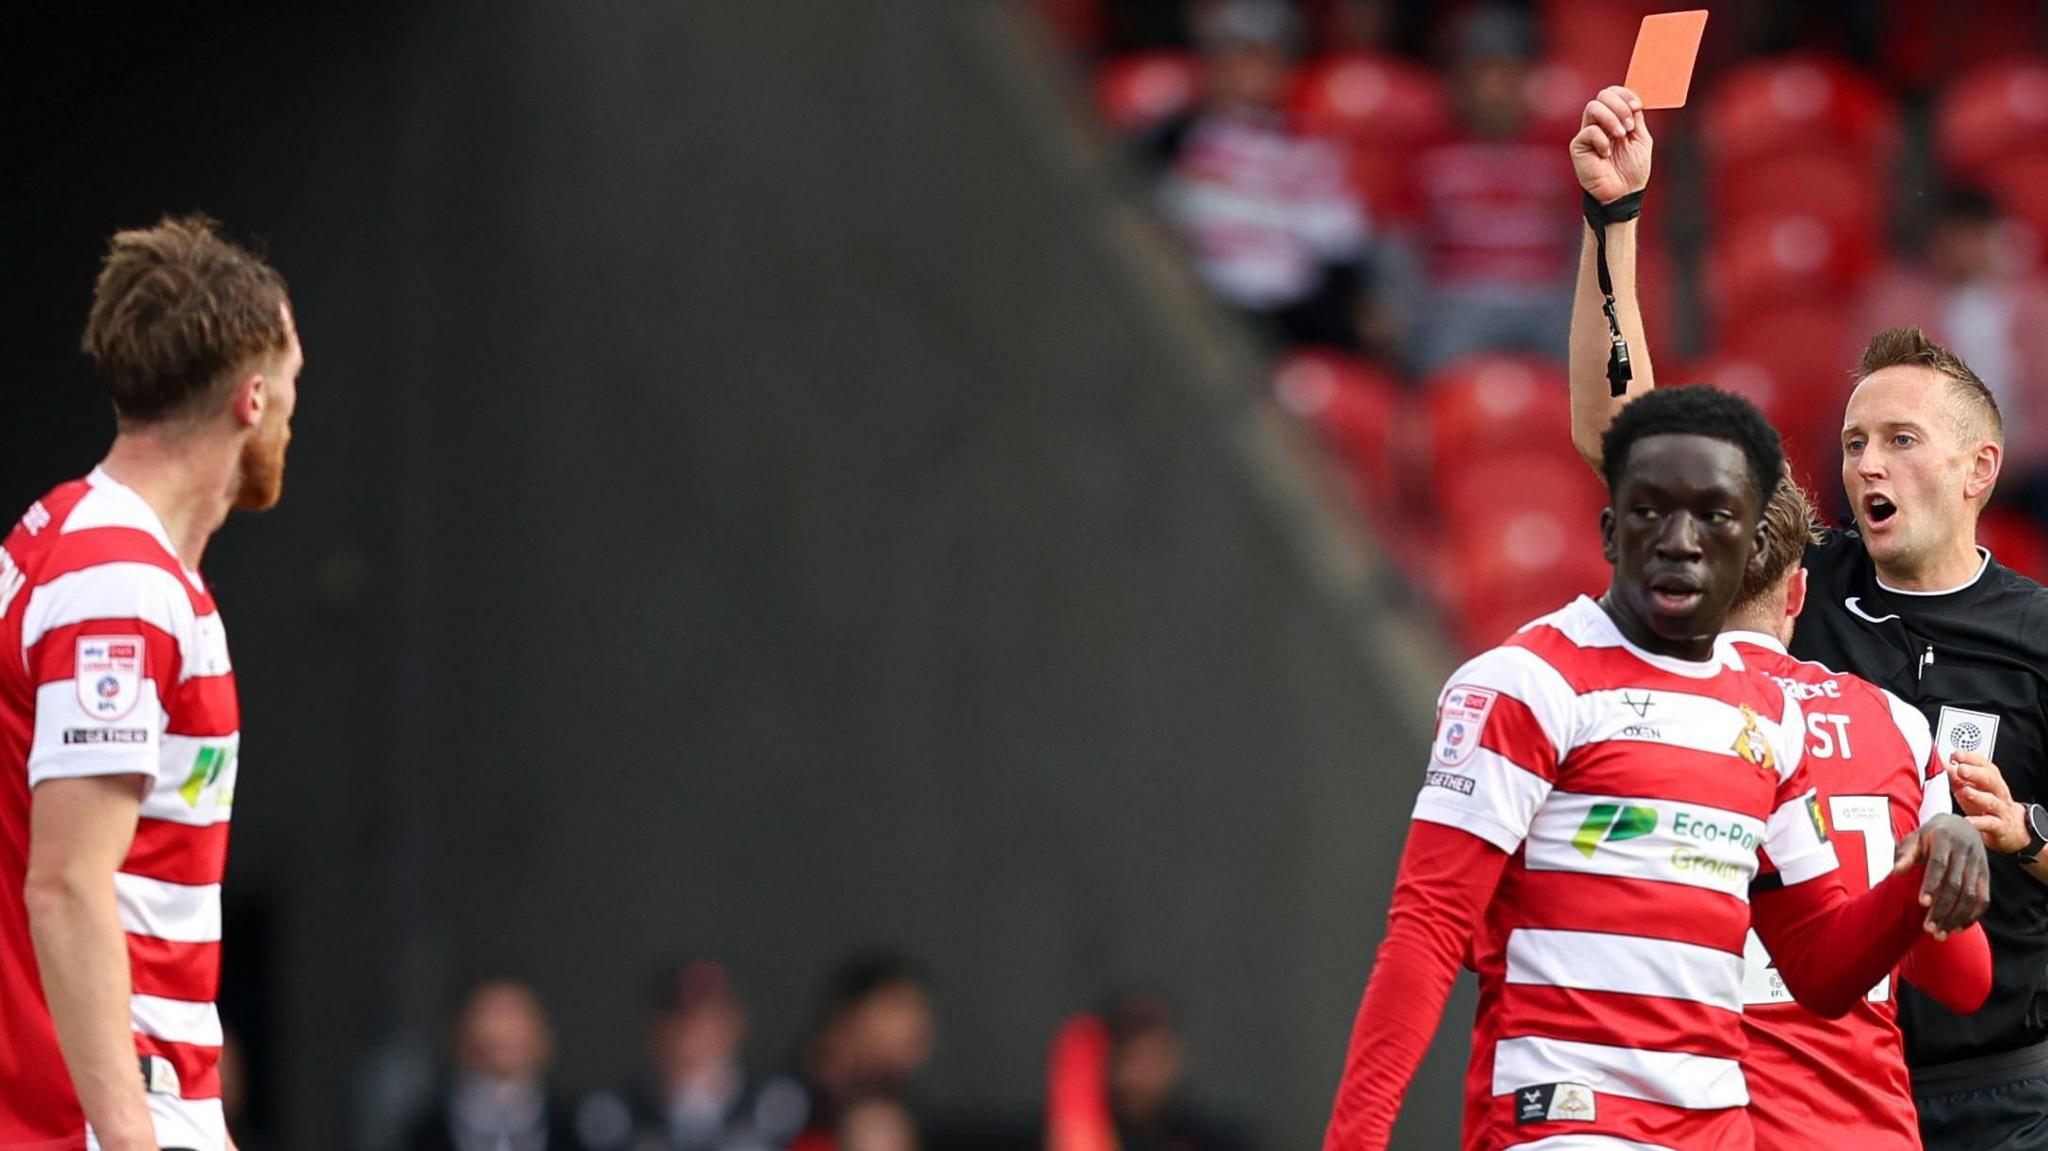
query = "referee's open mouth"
{"x": 1877, "y": 509}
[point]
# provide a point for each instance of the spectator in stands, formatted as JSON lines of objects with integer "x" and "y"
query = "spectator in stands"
{"x": 1981, "y": 296}
{"x": 1498, "y": 248}
{"x": 1145, "y": 1095}
{"x": 497, "y": 1097}
{"x": 1269, "y": 214}
{"x": 873, "y": 1035}
{"x": 694, "y": 1093}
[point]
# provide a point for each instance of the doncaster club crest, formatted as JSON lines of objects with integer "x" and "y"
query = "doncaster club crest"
{"x": 1751, "y": 745}
{"x": 1460, "y": 721}
{"x": 108, "y": 675}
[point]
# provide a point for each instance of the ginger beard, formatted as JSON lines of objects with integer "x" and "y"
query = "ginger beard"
{"x": 262, "y": 469}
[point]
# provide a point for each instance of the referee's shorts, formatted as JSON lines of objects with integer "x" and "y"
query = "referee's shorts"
{"x": 1992, "y": 1103}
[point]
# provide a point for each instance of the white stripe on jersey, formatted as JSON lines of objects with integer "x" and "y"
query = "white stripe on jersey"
{"x": 117, "y": 590}
{"x": 1693, "y": 722}
{"x": 1800, "y": 849}
{"x": 1503, "y": 799}
{"x": 109, "y": 503}
{"x": 183, "y": 794}
{"x": 1674, "y": 1079}
{"x": 1689, "y": 844}
{"x": 177, "y": 912}
{"x": 175, "y": 1020}
{"x": 1630, "y": 964}
{"x": 1935, "y": 798}
{"x": 1586, "y": 624}
{"x": 200, "y": 1124}
{"x": 1524, "y": 676}
{"x": 1586, "y": 1143}
{"x": 58, "y": 714}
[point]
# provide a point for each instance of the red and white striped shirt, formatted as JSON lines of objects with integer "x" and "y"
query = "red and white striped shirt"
{"x": 1638, "y": 797}
{"x": 113, "y": 661}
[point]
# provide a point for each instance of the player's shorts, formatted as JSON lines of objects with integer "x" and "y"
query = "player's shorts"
{"x": 1994, "y": 1103}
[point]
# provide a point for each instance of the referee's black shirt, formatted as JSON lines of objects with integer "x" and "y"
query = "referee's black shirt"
{"x": 1981, "y": 649}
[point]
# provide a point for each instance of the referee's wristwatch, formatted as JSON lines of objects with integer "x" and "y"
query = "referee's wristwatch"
{"x": 2037, "y": 841}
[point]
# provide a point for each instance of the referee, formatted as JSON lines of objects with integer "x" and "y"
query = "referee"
{"x": 1906, "y": 599}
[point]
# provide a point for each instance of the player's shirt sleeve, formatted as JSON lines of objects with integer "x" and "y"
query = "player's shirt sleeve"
{"x": 101, "y": 651}
{"x": 1795, "y": 847}
{"x": 1504, "y": 723}
{"x": 1934, "y": 788}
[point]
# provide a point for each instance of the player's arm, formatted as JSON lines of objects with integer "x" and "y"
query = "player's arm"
{"x": 79, "y": 832}
{"x": 1501, "y": 727}
{"x": 1955, "y": 971}
{"x": 1831, "y": 949}
{"x": 1986, "y": 800}
{"x": 1611, "y": 156}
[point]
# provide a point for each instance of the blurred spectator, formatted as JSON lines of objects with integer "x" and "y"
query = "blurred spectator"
{"x": 873, "y": 1035}
{"x": 497, "y": 1097}
{"x": 1500, "y": 227}
{"x": 877, "y": 1124}
{"x": 1145, "y": 1095}
{"x": 1975, "y": 288}
{"x": 1270, "y": 215}
{"x": 695, "y": 1094}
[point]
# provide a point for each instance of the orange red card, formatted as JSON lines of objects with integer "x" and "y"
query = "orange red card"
{"x": 1660, "y": 72}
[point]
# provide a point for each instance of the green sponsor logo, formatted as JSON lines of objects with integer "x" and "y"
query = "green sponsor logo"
{"x": 206, "y": 768}
{"x": 1612, "y": 823}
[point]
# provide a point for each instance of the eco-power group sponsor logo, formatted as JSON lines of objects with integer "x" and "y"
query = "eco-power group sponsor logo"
{"x": 1714, "y": 848}
{"x": 1613, "y": 822}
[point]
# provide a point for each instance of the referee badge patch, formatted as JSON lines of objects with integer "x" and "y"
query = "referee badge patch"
{"x": 108, "y": 675}
{"x": 1963, "y": 730}
{"x": 1460, "y": 721}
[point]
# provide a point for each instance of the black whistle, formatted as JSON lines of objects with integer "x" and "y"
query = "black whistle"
{"x": 1618, "y": 371}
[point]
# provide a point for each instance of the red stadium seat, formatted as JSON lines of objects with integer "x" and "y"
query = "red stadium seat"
{"x": 1991, "y": 113}
{"x": 1505, "y": 568}
{"x": 1384, "y": 110}
{"x": 2020, "y": 185}
{"x": 1145, "y": 89}
{"x": 1761, "y": 262}
{"x": 1354, "y": 405}
{"x": 1493, "y": 404}
{"x": 1808, "y": 419}
{"x": 1807, "y": 348}
{"x": 1594, "y": 37}
{"x": 1833, "y": 187}
{"x": 2017, "y": 541}
{"x": 1773, "y": 108}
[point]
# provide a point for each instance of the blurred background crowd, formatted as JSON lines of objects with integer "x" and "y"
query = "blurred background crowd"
{"x": 1381, "y": 189}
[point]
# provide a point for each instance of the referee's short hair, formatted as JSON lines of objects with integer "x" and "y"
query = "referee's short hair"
{"x": 1977, "y": 408}
{"x": 1697, "y": 410}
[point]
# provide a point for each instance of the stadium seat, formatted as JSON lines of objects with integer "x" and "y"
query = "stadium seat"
{"x": 1384, "y": 110}
{"x": 1354, "y": 406}
{"x": 1492, "y": 404}
{"x": 1990, "y": 113}
{"x": 1506, "y": 568}
{"x": 2020, "y": 185}
{"x": 1542, "y": 477}
{"x": 1774, "y": 108}
{"x": 1808, "y": 418}
{"x": 1594, "y": 37}
{"x": 1808, "y": 349}
{"x": 1145, "y": 89}
{"x": 1833, "y": 187}
{"x": 1761, "y": 262}
{"x": 2017, "y": 542}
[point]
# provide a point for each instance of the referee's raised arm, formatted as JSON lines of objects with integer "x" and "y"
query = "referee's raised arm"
{"x": 1611, "y": 156}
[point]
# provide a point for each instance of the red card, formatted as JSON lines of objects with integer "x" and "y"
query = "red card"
{"x": 1661, "y": 69}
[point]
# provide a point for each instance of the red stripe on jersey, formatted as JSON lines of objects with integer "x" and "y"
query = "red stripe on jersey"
{"x": 198, "y": 1067}
{"x": 204, "y": 705}
{"x": 55, "y": 656}
{"x": 178, "y": 852}
{"x": 77, "y": 551}
{"x": 1602, "y": 668}
{"x": 1615, "y": 767}
{"x": 1512, "y": 731}
{"x": 172, "y": 970}
{"x": 1618, "y": 1019}
{"x": 1490, "y": 1124}
{"x": 1571, "y": 901}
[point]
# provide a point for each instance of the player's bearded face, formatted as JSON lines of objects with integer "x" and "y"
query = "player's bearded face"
{"x": 262, "y": 463}
{"x": 1681, "y": 532}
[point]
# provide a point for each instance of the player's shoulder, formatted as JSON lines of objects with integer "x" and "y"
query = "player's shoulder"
{"x": 93, "y": 546}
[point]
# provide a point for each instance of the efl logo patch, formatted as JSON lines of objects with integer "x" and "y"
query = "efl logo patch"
{"x": 1553, "y": 1102}
{"x": 1964, "y": 730}
{"x": 1463, "y": 717}
{"x": 109, "y": 675}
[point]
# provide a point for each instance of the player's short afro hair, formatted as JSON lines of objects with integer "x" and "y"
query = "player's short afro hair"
{"x": 1697, "y": 411}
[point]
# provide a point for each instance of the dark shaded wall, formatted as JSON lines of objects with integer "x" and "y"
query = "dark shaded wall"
{"x": 745, "y": 503}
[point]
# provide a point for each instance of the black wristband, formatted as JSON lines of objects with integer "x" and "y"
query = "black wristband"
{"x": 1600, "y": 215}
